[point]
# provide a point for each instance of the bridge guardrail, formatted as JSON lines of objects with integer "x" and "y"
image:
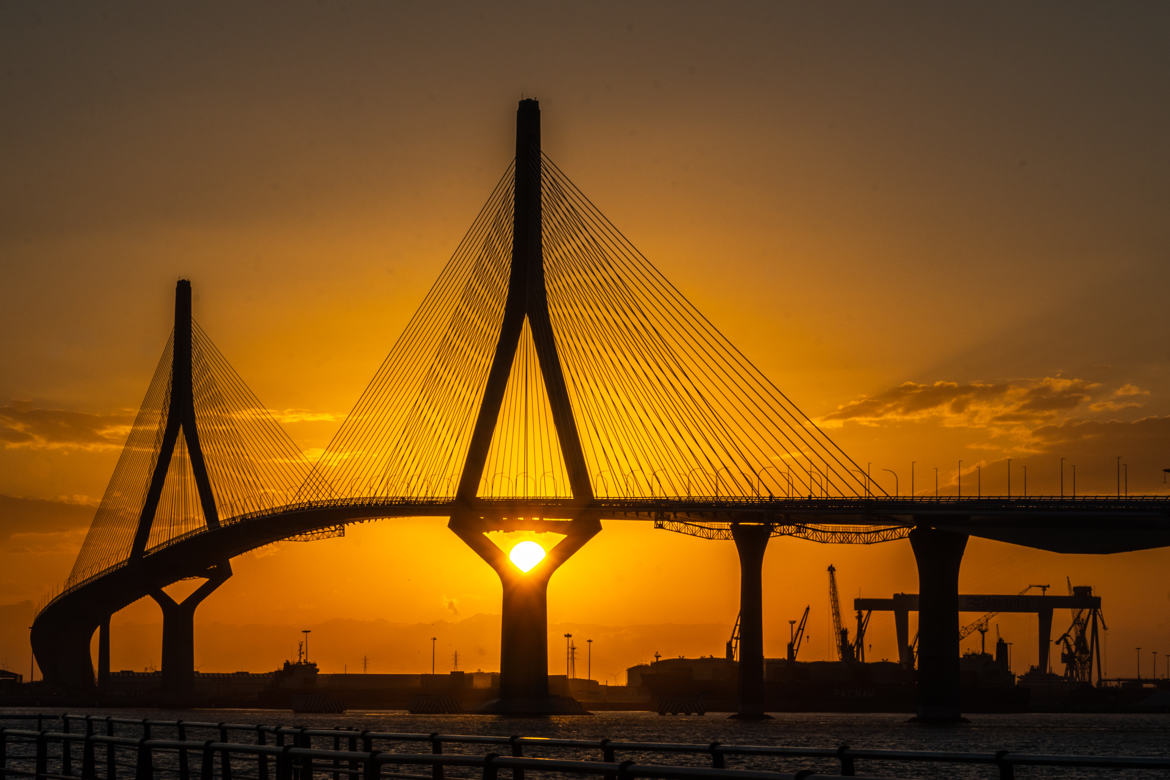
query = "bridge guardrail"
{"x": 668, "y": 504}
{"x": 254, "y": 752}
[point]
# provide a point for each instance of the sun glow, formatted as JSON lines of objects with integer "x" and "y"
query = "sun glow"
{"x": 526, "y": 555}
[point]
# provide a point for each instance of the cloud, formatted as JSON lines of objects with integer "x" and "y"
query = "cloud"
{"x": 39, "y": 516}
{"x": 1149, "y": 435}
{"x": 289, "y": 416}
{"x": 23, "y": 425}
{"x": 1017, "y": 404}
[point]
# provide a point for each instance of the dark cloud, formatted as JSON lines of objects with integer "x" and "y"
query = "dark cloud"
{"x": 23, "y": 425}
{"x": 32, "y": 515}
{"x": 1023, "y": 402}
{"x": 1149, "y": 434}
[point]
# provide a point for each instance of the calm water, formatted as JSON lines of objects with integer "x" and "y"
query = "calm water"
{"x": 1079, "y": 734}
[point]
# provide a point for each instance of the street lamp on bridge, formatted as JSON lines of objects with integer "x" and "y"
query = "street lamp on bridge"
{"x": 895, "y": 480}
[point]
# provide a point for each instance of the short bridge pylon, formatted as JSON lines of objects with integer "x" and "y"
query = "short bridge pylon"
{"x": 202, "y": 454}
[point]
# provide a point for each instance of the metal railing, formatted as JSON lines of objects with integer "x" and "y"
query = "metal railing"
{"x": 92, "y": 747}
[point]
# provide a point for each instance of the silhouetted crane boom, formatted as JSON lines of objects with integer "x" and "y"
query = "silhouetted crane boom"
{"x": 797, "y": 636}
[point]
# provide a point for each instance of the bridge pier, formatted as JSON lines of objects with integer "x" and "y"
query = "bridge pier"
{"x": 178, "y": 636}
{"x": 938, "y": 555}
{"x": 524, "y": 614}
{"x": 751, "y": 542}
{"x": 103, "y": 672}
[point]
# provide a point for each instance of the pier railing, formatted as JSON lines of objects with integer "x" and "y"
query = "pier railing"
{"x": 91, "y": 747}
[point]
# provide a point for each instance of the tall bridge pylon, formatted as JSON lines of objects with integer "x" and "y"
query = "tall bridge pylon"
{"x": 524, "y": 613}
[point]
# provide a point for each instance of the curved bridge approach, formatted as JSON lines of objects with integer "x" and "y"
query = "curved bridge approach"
{"x": 551, "y": 378}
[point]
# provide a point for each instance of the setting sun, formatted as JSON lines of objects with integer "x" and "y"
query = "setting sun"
{"x": 526, "y": 555}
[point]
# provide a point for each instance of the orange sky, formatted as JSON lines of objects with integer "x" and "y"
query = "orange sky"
{"x": 940, "y": 231}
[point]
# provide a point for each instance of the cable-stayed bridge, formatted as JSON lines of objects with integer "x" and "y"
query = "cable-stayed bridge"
{"x": 551, "y": 378}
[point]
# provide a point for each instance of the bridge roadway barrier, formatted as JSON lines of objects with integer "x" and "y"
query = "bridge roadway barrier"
{"x": 94, "y": 747}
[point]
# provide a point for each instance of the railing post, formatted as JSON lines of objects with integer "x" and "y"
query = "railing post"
{"x": 305, "y": 768}
{"x": 846, "y": 759}
{"x": 3, "y": 753}
{"x": 437, "y": 749}
{"x": 717, "y": 759}
{"x": 609, "y": 756}
{"x": 517, "y": 752}
{"x": 490, "y": 770}
{"x": 42, "y": 757}
{"x": 88, "y": 760}
{"x": 143, "y": 765}
{"x": 371, "y": 768}
{"x": 225, "y": 769}
{"x": 336, "y": 761}
{"x": 181, "y": 735}
{"x": 351, "y": 746}
{"x": 262, "y": 757}
{"x": 111, "y": 752}
{"x": 1007, "y": 770}
{"x": 207, "y": 761}
{"x": 283, "y": 762}
{"x": 66, "y": 748}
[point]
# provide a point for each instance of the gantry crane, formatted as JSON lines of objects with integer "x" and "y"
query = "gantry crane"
{"x": 982, "y": 623}
{"x": 1080, "y": 644}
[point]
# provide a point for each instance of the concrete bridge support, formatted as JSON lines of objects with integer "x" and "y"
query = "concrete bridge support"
{"x": 178, "y": 636}
{"x": 938, "y": 554}
{"x": 524, "y": 621}
{"x": 750, "y": 543}
{"x": 103, "y": 674}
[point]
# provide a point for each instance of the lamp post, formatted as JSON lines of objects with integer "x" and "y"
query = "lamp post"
{"x": 1062, "y": 477}
{"x": 1009, "y": 490}
{"x": 895, "y": 480}
{"x": 959, "y": 481}
{"x": 912, "y": 479}
{"x": 1139, "y": 663}
{"x": 589, "y": 659}
{"x": 936, "y": 481}
{"x": 568, "y": 639}
{"x": 433, "y": 654}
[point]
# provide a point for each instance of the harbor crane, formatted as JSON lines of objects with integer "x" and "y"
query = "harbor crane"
{"x": 733, "y": 642}
{"x": 796, "y": 635}
{"x": 847, "y": 651}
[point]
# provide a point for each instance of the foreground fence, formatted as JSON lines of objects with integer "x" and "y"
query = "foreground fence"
{"x": 89, "y": 747}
